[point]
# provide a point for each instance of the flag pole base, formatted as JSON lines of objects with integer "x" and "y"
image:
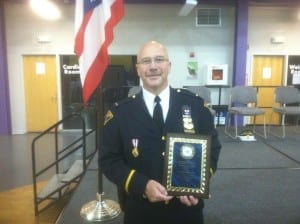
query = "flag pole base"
{"x": 100, "y": 210}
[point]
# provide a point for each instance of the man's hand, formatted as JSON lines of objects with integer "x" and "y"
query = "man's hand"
{"x": 156, "y": 192}
{"x": 188, "y": 200}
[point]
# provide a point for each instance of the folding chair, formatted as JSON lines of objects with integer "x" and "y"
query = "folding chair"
{"x": 205, "y": 94}
{"x": 284, "y": 96}
{"x": 243, "y": 102}
{"x": 134, "y": 90}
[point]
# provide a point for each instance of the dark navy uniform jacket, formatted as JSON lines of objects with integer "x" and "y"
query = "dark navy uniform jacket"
{"x": 128, "y": 125}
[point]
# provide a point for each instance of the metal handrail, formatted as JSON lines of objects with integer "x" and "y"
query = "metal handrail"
{"x": 58, "y": 157}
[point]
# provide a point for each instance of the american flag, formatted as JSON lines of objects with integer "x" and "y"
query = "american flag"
{"x": 94, "y": 23}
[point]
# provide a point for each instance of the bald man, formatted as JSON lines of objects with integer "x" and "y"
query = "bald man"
{"x": 133, "y": 144}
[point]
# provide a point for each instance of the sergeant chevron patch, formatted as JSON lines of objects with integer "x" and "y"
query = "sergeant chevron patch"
{"x": 108, "y": 116}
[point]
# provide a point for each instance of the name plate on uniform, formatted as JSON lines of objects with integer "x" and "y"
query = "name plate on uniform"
{"x": 187, "y": 164}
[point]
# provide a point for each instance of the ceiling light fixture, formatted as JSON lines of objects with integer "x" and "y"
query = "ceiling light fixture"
{"x": 45, "y": 9}
{"x": 187, "y": 7}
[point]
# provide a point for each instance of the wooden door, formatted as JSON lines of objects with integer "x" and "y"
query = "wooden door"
{"x": 267, "y": 74}
{"x": 40, "y": 92}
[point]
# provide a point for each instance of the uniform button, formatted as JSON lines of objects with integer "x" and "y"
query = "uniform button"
{"x": 163, "y": 153}
{"x": 163, "y": 138}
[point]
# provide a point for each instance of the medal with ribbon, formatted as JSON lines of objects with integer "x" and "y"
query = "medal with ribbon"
{"x": 135, "y": 150}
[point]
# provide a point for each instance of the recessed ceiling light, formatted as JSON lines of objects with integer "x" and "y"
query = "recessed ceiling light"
{"x": 188, "y": 7}
{"x": 45, "y": 9}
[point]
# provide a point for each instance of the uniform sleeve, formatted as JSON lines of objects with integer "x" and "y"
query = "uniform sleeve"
{"x": 207, "y": 127}
{"x": 215, "y": 151}
{"x": 112, "y": 159}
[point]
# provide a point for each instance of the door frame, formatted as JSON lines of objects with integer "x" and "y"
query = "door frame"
{"x": 58, "y": 83}
{"x": 283, "y": 78}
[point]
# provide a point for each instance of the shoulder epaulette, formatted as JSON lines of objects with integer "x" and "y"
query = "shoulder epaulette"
{"x": 110, "y": 113}
{"x": 187, "y": 92}
{"x": 125, "y": 101}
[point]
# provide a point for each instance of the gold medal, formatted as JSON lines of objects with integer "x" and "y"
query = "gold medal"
{"x": 135, "y": 150}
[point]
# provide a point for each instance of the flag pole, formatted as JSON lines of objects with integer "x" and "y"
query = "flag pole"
{"x": 100, "y": 209}
{"x": 91, "y": 23}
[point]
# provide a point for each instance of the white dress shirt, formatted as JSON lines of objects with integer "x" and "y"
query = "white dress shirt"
{"x": 164, "y": 97}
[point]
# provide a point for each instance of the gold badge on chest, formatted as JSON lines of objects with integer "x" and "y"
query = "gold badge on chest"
{"x": 187, "y": 120}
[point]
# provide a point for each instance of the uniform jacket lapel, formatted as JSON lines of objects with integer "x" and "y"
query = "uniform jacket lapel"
{"x": 141, "y": 112}
{"x": 174, "y": 117}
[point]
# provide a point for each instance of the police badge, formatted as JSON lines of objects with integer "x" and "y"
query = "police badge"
{"x": 187, "y": 119}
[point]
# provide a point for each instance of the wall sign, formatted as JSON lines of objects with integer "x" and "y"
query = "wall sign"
{"x": 293, "y": 72}
{"x": 40, "y": 68}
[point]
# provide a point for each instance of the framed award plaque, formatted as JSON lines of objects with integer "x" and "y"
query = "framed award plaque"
{"x": 187, "y": 164}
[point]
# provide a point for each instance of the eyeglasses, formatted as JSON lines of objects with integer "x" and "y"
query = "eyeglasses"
{"x": 156, "y": 60}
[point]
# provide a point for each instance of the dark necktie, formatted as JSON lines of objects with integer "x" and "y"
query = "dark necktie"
{"x": 158, "y": 114}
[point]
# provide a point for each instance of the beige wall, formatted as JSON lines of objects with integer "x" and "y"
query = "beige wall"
{"x": 265, "y": 23}
{"x": 212, "y": 45}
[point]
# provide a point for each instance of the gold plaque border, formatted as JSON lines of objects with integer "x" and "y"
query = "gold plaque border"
{"x": 205, "y": 140}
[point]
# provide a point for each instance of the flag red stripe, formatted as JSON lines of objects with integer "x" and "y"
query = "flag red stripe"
{"x": 79, "y": 39}
{"x": 96, "y": 71}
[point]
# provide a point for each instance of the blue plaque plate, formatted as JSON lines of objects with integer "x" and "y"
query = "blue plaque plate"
{"x": 187, "y": 163}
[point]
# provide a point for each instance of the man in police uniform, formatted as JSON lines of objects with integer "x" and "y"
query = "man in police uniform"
{"x": 133, "y": 145}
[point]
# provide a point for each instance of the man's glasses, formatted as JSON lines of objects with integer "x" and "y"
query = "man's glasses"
{"x": 156, "y": 60}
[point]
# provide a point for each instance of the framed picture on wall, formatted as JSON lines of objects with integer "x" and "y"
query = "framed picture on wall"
{"x": 217, "y": 75}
